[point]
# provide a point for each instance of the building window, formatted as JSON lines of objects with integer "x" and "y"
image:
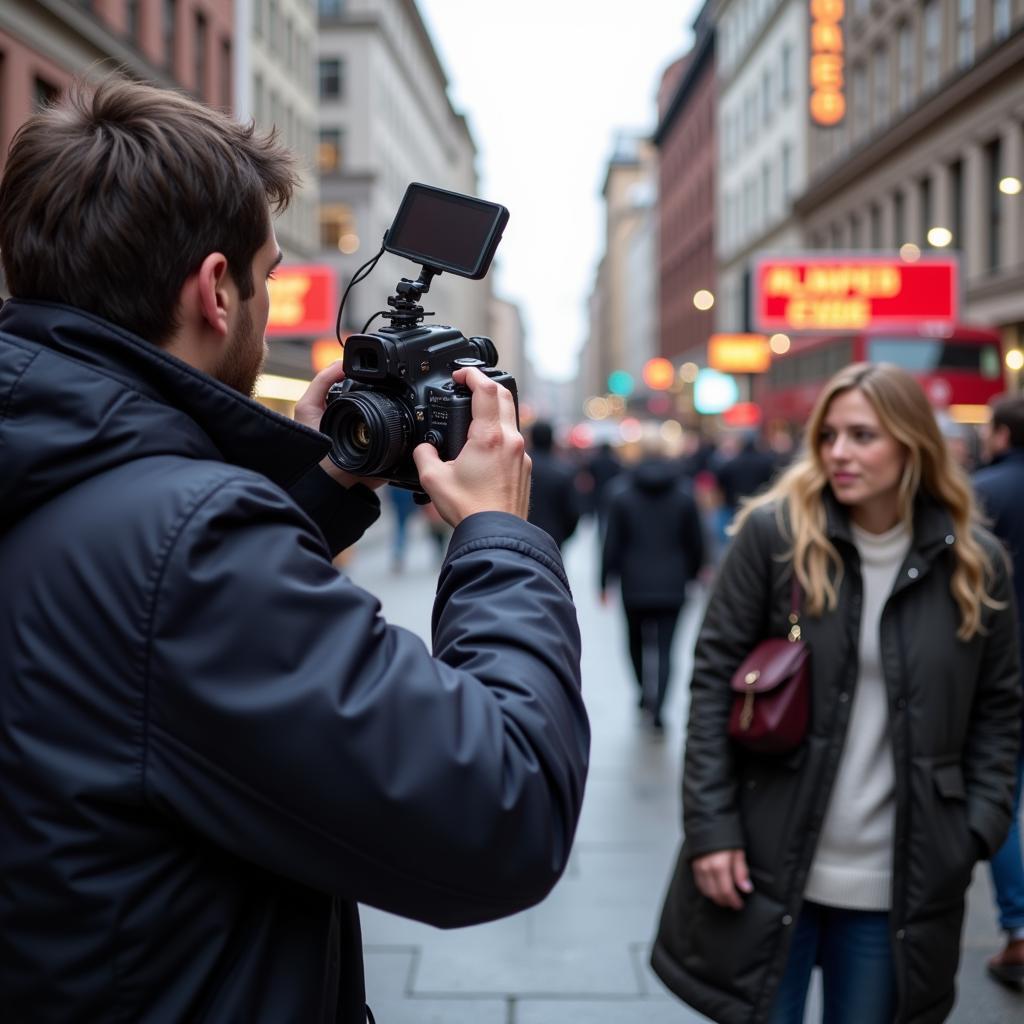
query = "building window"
{"x": 931, "y": 62}
{"x": 225, "y": 73}
{"x": 338, "y": 228}
{"x": 993, "y": 167}
{"x": 44, "y": 93}
{"x": 289, "y": 44}
{"x": 875, "y": 226}
{"x": 856, "y": 242}
{"x": 956, "y": 188}
{"x": 881, "y": 75}
{"x": 924, "y": 193}
{"x": 964, "y": 32}
{"x": 906, "y": 56}
{"x": 787, "y": 172}
{"x": 131, "y": 19}
{"x": 273, "y": 35}
{"x": 787, "y": 72}
{"x": 330, "y": 8}
{"x": 257, "y": 99}
{"x": 899, "y": 219}
{"x": 170, "y": 32}
{"x": 330, "y": 152}
{"x": 767, "y": 107}
{"x": 332, "y": 73}
{"x": 861, "y": 111}
{"x": 199, "y": 54}
{"x": 257, "y": 17}
{"x": 766, "y": 191}
{"x": 1001, "y": 15}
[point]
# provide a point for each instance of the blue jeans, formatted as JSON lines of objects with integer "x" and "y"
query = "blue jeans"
{"x": 855, "y": 954}
{"x": 1007, "y": 866}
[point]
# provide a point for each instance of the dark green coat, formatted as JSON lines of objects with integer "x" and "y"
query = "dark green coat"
{"x": 954, "y": 722}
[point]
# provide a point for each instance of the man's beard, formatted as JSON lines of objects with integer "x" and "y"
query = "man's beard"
{"x": 243, "y": 359}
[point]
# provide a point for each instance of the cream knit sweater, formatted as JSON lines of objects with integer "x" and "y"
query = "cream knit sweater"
{"x": 852, "y": 865}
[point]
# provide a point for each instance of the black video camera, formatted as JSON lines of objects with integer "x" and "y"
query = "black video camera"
{"x": 398, "y": 390}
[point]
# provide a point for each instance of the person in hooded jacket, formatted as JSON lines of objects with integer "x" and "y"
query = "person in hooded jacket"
{"x": 212, "y": 745}
{"x": 554, "y": 499}
{"x": 854, "y": 851}
{"x": 654, "y": 546}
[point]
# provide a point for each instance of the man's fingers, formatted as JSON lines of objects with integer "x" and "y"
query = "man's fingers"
{"x": 486, "y": 401}
{"x": 321, "y": 383}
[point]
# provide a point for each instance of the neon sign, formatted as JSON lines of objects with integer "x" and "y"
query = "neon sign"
{"x": 302, "y": 301}
{"x": 828, "y": 100}
{"x": 842, "y": 294}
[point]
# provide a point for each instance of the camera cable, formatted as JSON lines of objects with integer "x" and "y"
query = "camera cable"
{"x": 361, "y": 274}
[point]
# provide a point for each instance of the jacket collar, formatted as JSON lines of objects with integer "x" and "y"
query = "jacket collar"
{"x": 232, "y": 427}
{"x": 932, "y": 524}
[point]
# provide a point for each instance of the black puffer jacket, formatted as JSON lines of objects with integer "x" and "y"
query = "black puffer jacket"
{"x": 653, "y": 540}
{"x": 211, "y": 744}
{"x": 954, "y": 728}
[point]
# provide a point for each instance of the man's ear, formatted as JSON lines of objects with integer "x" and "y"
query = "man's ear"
{"x": 214, "y": 293}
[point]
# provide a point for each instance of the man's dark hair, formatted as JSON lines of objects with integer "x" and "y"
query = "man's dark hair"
{"x": 1008, "y": 411}
{"x": 115, "y": 194}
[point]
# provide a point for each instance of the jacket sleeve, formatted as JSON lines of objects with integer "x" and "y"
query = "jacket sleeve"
{"x": 990, "y": 755}
{"x": 287, "y": 722}
{"x": 612, "y": 545}
{"x": 342, "y": 514}
{"x": 735, "y": 620}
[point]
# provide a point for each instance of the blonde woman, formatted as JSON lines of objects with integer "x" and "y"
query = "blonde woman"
{"x": 855, "y": 851}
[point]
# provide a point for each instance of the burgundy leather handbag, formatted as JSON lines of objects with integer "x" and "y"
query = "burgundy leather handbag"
{"x": 772, "y": 691}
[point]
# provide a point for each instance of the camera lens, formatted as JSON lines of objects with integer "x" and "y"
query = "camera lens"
{"x": 368, "y": 432}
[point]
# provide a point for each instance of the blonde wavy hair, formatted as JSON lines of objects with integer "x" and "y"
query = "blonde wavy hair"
{"x": 903, "y": 410}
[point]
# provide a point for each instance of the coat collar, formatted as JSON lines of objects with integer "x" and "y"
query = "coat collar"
{"x": 932, "y": 526}
{"x": 230, "y": 425}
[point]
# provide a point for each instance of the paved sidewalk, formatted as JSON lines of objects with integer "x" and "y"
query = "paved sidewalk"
{"x": 581, "y": 956}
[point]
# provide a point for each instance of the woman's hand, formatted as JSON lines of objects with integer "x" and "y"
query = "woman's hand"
{"x": 722, "y": 876}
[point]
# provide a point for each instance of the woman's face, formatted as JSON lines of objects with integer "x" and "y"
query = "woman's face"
{"x": 862, "y": 460}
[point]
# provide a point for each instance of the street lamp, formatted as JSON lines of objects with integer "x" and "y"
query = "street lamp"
{"x": 703, "y": 299}
{"x": 939, "y": 237}
{"x": 909, "y": 252}
{"x": 779, "y": 344}
{"x": 1015, "y": 359}
{"x": 1010, "y": 186}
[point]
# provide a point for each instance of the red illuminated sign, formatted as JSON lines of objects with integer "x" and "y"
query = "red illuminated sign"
{"x": 854, "y": 293}
{"x": 302, "y": 301}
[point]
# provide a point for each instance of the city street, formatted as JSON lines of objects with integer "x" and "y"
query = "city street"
{"x": 581, "y": 956}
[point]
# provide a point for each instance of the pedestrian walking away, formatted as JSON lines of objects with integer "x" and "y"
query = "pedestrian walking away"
{"x": 213, "y": 745}
{"x": 854, "y": 850}
{"x": 554, "y": 500}
{"x": 653, "y": 546}
{"x": 1000, "y": 488}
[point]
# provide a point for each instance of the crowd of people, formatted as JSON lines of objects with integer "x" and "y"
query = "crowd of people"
{"x": 214, "y": 746}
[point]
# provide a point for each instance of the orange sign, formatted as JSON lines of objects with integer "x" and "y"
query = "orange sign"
{"x": 828, "y": 100}
{"x": 821, "y": 294}
{"x": 739, "y": 353}
{"x": 302, "y": 301}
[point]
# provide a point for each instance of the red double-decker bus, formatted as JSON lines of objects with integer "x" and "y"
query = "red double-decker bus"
{"x": 961, "y": 370}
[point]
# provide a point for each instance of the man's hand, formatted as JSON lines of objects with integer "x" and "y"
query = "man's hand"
{"x": 309, "y": 409}
{"x": 492, "y": 472}
{"x": 722, "y": 876}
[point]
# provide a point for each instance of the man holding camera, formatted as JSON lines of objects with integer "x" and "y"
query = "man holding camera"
{"x": 212, "y": 745}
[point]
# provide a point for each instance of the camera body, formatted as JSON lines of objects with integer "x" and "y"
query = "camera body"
{"x": 398, "y": 392}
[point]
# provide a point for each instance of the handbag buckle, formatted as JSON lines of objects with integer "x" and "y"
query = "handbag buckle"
{"x": 747, "y": 714}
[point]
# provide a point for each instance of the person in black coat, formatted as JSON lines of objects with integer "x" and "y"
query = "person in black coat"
{"x": 653, "y": 545}
{"x": 554, "y": 499}
{"x": 602, "y": 468}
{"x": 212, "y": 744}
{"x": 745, "y": 474}
{"x": 1000, "y": 489}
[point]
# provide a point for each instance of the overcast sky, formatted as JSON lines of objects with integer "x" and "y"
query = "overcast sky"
{"x": 544, "y": 85}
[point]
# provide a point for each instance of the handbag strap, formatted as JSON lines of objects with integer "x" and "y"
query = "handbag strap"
{"x": 794, "y": 610}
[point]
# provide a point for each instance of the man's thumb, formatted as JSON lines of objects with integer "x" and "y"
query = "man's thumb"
{"x": 425, "y": 455}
